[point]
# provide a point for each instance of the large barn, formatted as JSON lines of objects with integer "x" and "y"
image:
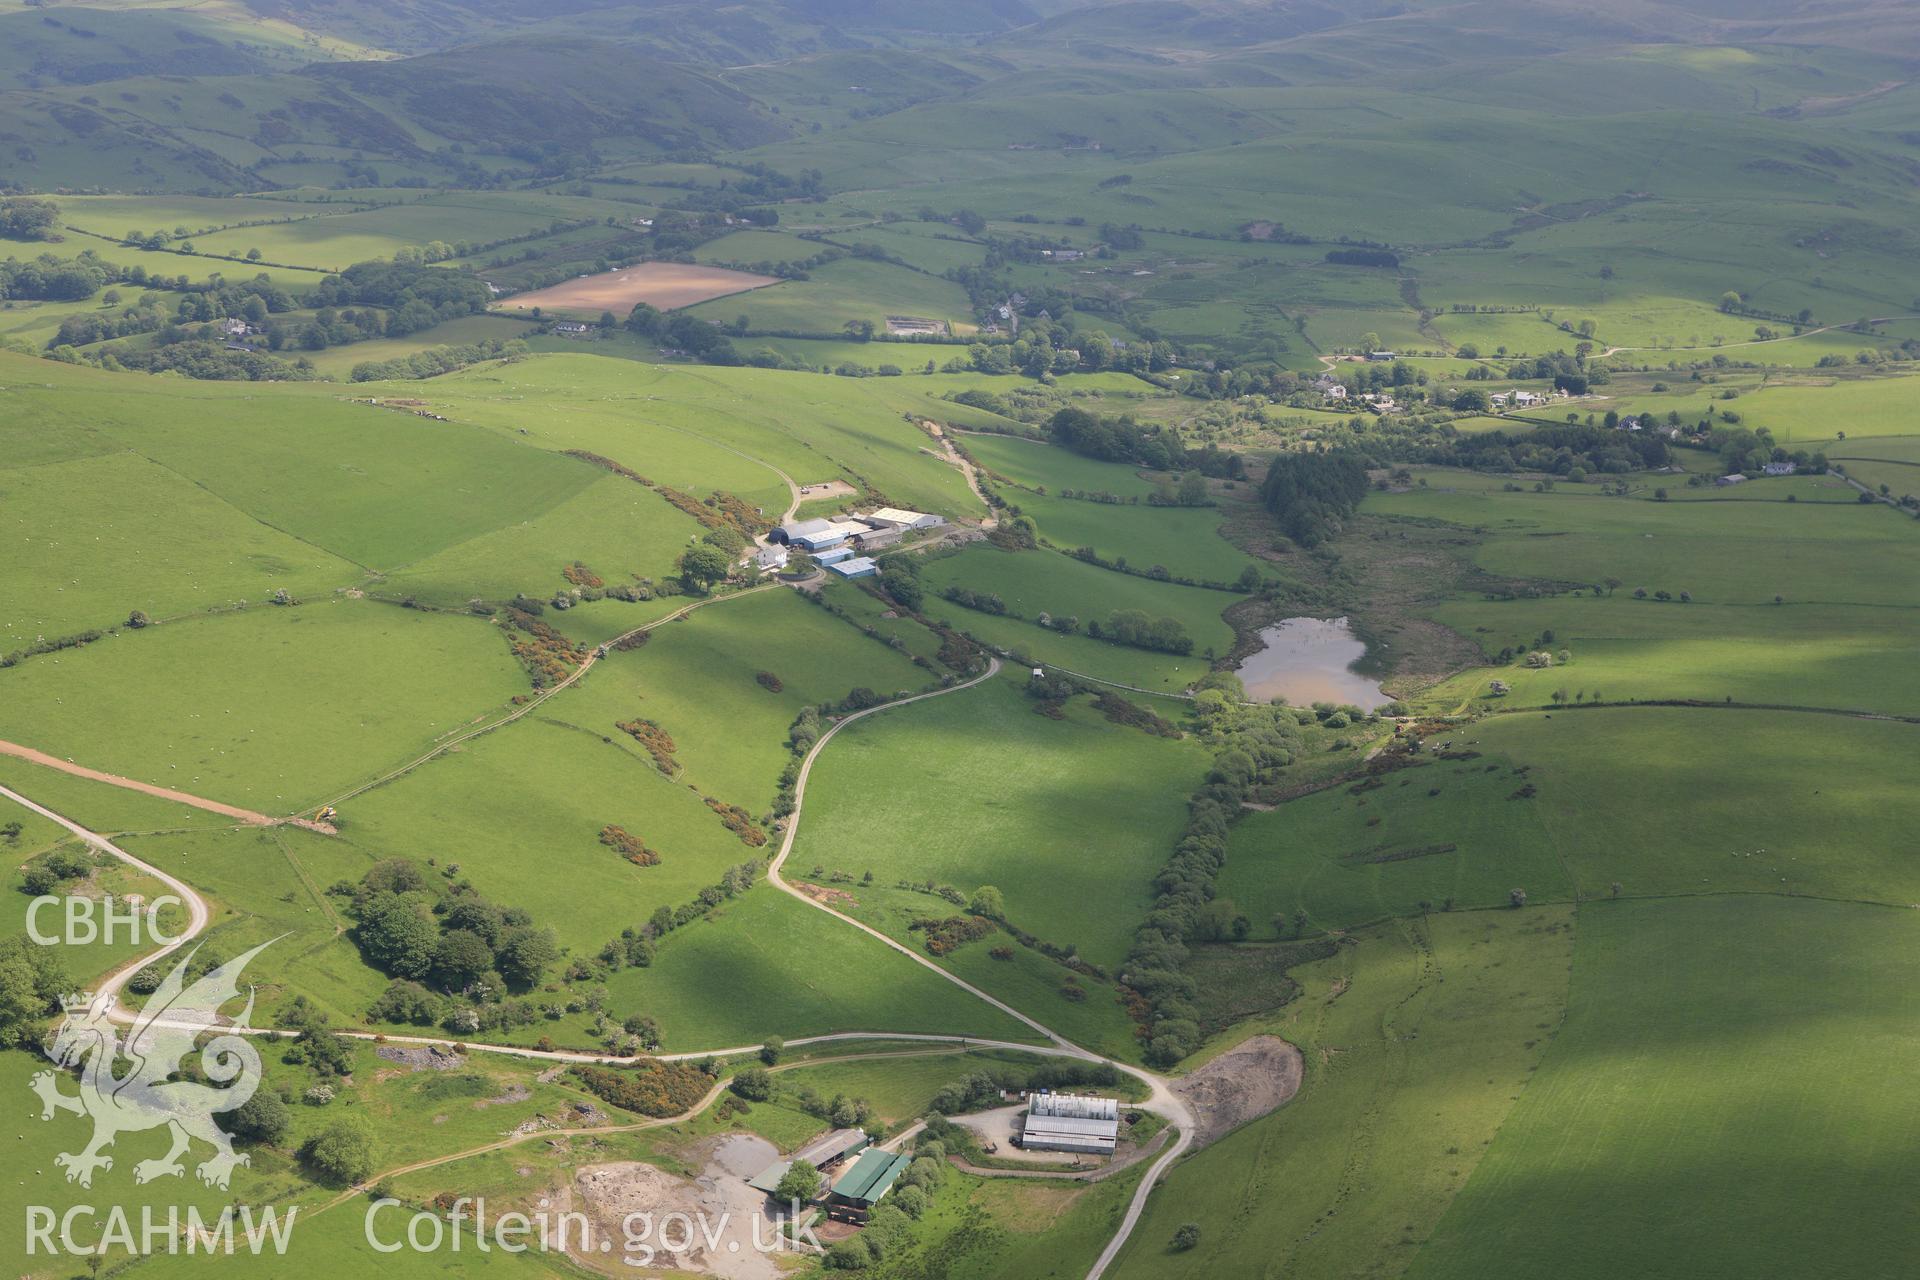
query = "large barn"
{"x": 816, "y": 535}
{"x": 822, "y": 1153}
{"x": 1071, "y": 1122}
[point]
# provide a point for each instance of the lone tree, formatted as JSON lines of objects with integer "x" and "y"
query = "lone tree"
{"x": 1517, "y": 897}
{"x": 261, "y": 1118}
{"x": 342, "y": 1153}
{"x": 986, "y": 901}
{"x": 754, "y": 1084}
{"x": 1186, "y": 1237}
{"x": 770, "y": 1051}
{"x": 800, "y": 1182}
{"x": 702, "y": 566}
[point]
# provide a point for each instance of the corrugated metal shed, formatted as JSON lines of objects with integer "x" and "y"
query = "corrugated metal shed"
{"x": 1064, "y": 1133}
{"x": 825, "y": 1150}
{"x": 871, "y": 1177}
{"x": 900, "y": 519}
{"x": 1071, "y": 1122}
{"x": 800, "y": 529}
{"x": 1080, "y": 1105}
{"x": 858, "y": 567}
{"x": 768, "y": 1178}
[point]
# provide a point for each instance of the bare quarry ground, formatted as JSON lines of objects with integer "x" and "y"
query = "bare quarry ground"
{"x": 1242, "y": 1084}
{"x": 634, "y": 1209}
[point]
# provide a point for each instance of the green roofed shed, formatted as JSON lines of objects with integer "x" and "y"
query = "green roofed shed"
{"x": 769, "y": 1178}
{"x": 870, "y": 1178}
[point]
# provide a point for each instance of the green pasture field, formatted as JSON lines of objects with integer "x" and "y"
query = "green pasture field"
{"x": 99, "y": 806}
{"x": 899, "y": 1084}
{"x": 1812, "y": 414}
{"x": 378, "y": 487}
{"x": 1795, "y": 488}
{"x": 94, "y": 538}
{"x": 1185, "y": 541}
{"x": 412, "y": 1115}
{"x": 1737, "y": 1052}
{"x": 272, "y": 709}
{"x": 1691, "y": 827}
{"x": 931, "y": 247}
{"x": 521, "y": 812}
{"x": 619, "y": 529}
{"x": 1858, "y": 657}
{"x": 572, "y": 401}
{"x": 1332, "y": 327}
{"x": 828, "y": 353}
{"x": 1139, "y": 668}
{"x": 81, "y": 961}
{"x": 33, "y": 835}
{"x": 1013, "y": 1228}
{"x": 1036, "y": 582}
{"x": 730, "y": 427}
{"x": 28, "y": 326}
{"x": 169, "y": 265}
{"x": 743, "y": 974}
{"x": 866, "y": 610}
{"x": 697, "y": 678}
{"x": 1039, "y": 465}
{"x": 1479, "y": 426}
{"x": 1026, "y": 798}
{"x": 1347, "y": 859}
{"x": 1521, "y": 333}
{"x": 614, "y": 344}
{"x": 847, "y": 290}
{"x": 373, "y": 486}
{"x": 338, "y": 362}
{"x": 333, "y": 241}
{"x": 1642, "y": 797}
{"x": 271, "y": 884}
{"x": 1738, "y": 552}
{"x": 115, "y": 215}
{"x": 1095, "y": 1016}
{"x": 1418, "y": 1037}
{"x": 1892, "y": 461}
{"x": 756, "y": 246}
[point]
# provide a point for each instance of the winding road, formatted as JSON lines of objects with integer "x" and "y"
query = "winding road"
{"x": 1161, "y": 1097}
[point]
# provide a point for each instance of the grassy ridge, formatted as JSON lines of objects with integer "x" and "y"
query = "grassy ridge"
{"x": 1730, "y": 1052}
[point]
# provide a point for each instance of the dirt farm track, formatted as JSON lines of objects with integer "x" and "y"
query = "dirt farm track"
{"x": 665, "y": 285}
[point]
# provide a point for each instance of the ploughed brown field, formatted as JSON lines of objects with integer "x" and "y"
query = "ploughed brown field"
{"x": 665, "y": 285}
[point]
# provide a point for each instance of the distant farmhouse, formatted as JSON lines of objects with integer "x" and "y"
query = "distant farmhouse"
{"x": 1071, "y": 1122}
{"x": 1779, "y": 468}
{"x": 844, "y": 545}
